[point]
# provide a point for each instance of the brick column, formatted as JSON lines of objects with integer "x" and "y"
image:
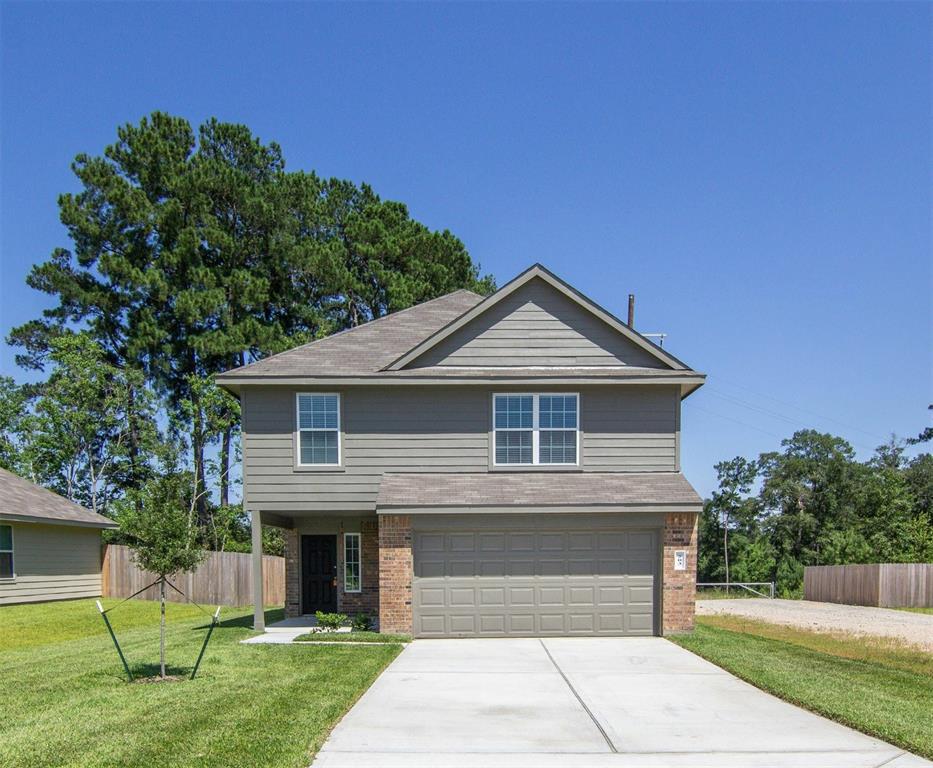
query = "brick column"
{"x": 292, "y": 574}
{"x": 395, "y": 572}
{"x": 679, "y": 587}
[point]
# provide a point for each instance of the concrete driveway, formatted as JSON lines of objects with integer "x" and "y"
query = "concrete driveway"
{"x": 606, "y": 703}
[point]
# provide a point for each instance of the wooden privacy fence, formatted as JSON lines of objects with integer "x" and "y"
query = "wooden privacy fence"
{"x": 885, "y": 585}
{"x": 224, "y": 578}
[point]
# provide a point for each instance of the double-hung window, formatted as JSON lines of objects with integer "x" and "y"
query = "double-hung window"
{"x": 6, "y": 551}
{"x": 318, "y": 430}
{"x": 352, "y": 572}
{"x": 536, "y": 429}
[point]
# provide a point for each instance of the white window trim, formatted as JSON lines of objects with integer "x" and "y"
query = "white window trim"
{"x": 12, "y": 576}
{"x": 359, "y": 552}
{"x": 535, "y": 429}
{"x": 299, "y": 429}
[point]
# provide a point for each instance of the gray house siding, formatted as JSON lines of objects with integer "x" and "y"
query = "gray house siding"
{"x": 442, "y": 429}
{"x": 536, "y": 325}
{"x": 52, "y": 562}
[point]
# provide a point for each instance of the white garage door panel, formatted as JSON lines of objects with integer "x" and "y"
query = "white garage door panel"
{"x": 566, "y": 582}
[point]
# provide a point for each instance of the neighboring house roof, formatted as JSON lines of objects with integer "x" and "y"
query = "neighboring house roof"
{"x": 23, "y": 501}
{"x": 537, "y": 489}
{"x": 382, "y": 351}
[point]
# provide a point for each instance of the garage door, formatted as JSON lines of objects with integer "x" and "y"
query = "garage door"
{"x": 524, "y": 581}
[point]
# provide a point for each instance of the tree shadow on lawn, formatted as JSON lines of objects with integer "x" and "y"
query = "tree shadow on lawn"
{"x": 244, "y": 622}
{"x": 147, "y": 672}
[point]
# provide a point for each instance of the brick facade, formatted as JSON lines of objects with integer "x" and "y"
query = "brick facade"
{"x": 678, "y": 588}
{"x": 367, "y": 600}
{"x": 387, "y": 573}
{"x": 395, "y": 573}
{"x": 292, "y": 575}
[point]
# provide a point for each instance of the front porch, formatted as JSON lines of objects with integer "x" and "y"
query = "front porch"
{"x": 331, "y": 565}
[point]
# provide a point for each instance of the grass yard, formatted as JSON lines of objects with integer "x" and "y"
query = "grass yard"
{"x": 68, "y": 702}
{"x": 877, "y": 687}
{"x": 917, "y": 610}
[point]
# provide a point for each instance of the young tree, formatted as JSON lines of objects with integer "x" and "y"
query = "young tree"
{"x": 163, "y": 533}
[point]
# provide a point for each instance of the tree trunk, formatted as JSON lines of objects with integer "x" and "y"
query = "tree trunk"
{"x": 133, "y": 422}
{"x": 225, "y": 467}
{"x": 197, "y": 457}
{"x": 725, "y": 548}
{"x": 162, "y": 627}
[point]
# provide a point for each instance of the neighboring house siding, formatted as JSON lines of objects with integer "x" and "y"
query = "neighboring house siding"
{"x": 53, "y": 562}
{"x": 536, "y": 325}
{"x": 442, "y": 429}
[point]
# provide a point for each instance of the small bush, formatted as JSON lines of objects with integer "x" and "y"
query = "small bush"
{"x": 330, "y": 622}
{"x": 362, "y": 622}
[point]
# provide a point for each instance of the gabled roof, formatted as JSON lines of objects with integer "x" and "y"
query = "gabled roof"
{"x": 539, "y": 272}
{"x": 23, "y": 501}
{"x": 381, "y": 351}
{"x": 367, "y": 348}
{"x": 643, "y": 490}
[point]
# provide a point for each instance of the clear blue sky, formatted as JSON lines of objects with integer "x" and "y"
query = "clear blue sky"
{"x": 759, "y": 175}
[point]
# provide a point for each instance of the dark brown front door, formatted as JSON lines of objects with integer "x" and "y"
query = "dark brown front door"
{"x": 318, "y": 573}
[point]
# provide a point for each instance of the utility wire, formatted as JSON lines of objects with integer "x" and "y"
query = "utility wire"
{"x": 736, "y": 421}
{"x": 794, "y": 421}
{"x": 798, "y": 408}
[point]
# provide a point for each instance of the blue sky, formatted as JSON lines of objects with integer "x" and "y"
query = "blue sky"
{"x": 758, "y": 175}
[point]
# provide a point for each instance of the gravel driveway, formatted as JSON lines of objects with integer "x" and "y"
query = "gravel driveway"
{"x": 913, "y": 628}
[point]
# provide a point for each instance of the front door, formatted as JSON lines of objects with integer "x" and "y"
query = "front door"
{"x": 318, "y": 573}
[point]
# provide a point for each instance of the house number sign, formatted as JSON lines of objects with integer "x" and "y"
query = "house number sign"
{"x": 680, "y": 560}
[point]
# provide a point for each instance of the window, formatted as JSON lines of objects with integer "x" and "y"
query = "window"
{"x": 6, "y": 551}
{"x": 318, "y": 430}
{"x": 351, "y": 562}
{"x": 536, "y": 429}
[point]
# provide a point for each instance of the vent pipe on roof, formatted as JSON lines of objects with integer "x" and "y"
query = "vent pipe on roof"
{"x": 631, "y": 310}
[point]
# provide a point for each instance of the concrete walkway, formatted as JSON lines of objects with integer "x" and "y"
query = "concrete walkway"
{"x": 613, "y": 703}
{"x": 902, "y": 626}
{"x": 284, "y": 632}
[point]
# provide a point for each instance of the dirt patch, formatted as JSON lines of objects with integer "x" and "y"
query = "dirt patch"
{"x": 914, "y": 629}
{"x": 158, "y": 679}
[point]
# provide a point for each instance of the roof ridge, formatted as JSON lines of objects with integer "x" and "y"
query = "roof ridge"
{"x": 356, "y": 328}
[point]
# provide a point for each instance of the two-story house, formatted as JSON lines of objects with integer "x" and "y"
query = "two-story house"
{"x": 498, "y": 466}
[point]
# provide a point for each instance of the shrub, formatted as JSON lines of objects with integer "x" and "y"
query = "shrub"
{"x": 330, "y": 622}
{"x": 362, "y": 622}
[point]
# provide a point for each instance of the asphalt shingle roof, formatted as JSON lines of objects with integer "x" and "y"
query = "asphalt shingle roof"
{"x": 533, "y": 489}
{"x": 368, "y": 348}
{"x": 20, "y": 498}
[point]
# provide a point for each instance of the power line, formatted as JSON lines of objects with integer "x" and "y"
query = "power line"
{"x": 802, "y": 410}
{"x": 796, "y": 422}
{"x": 736, "y": 421}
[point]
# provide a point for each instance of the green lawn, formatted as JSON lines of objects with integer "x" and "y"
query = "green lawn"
{"x": 917, "y": 610}
{"x": 352, "y": 637}
{"x": 67, "y": 702}
{"x": 877, "y": 687}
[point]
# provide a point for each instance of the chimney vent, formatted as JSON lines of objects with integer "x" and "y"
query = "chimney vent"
{"x": 631, "y": 310}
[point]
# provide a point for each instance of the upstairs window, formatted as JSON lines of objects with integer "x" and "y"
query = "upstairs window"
{"x": 536, "y": 429}
{"x": 6, "y": 551}
{"x": 318, "y": 430}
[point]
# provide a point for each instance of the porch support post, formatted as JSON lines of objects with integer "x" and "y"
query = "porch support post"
{"x": 259, "y": 617}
